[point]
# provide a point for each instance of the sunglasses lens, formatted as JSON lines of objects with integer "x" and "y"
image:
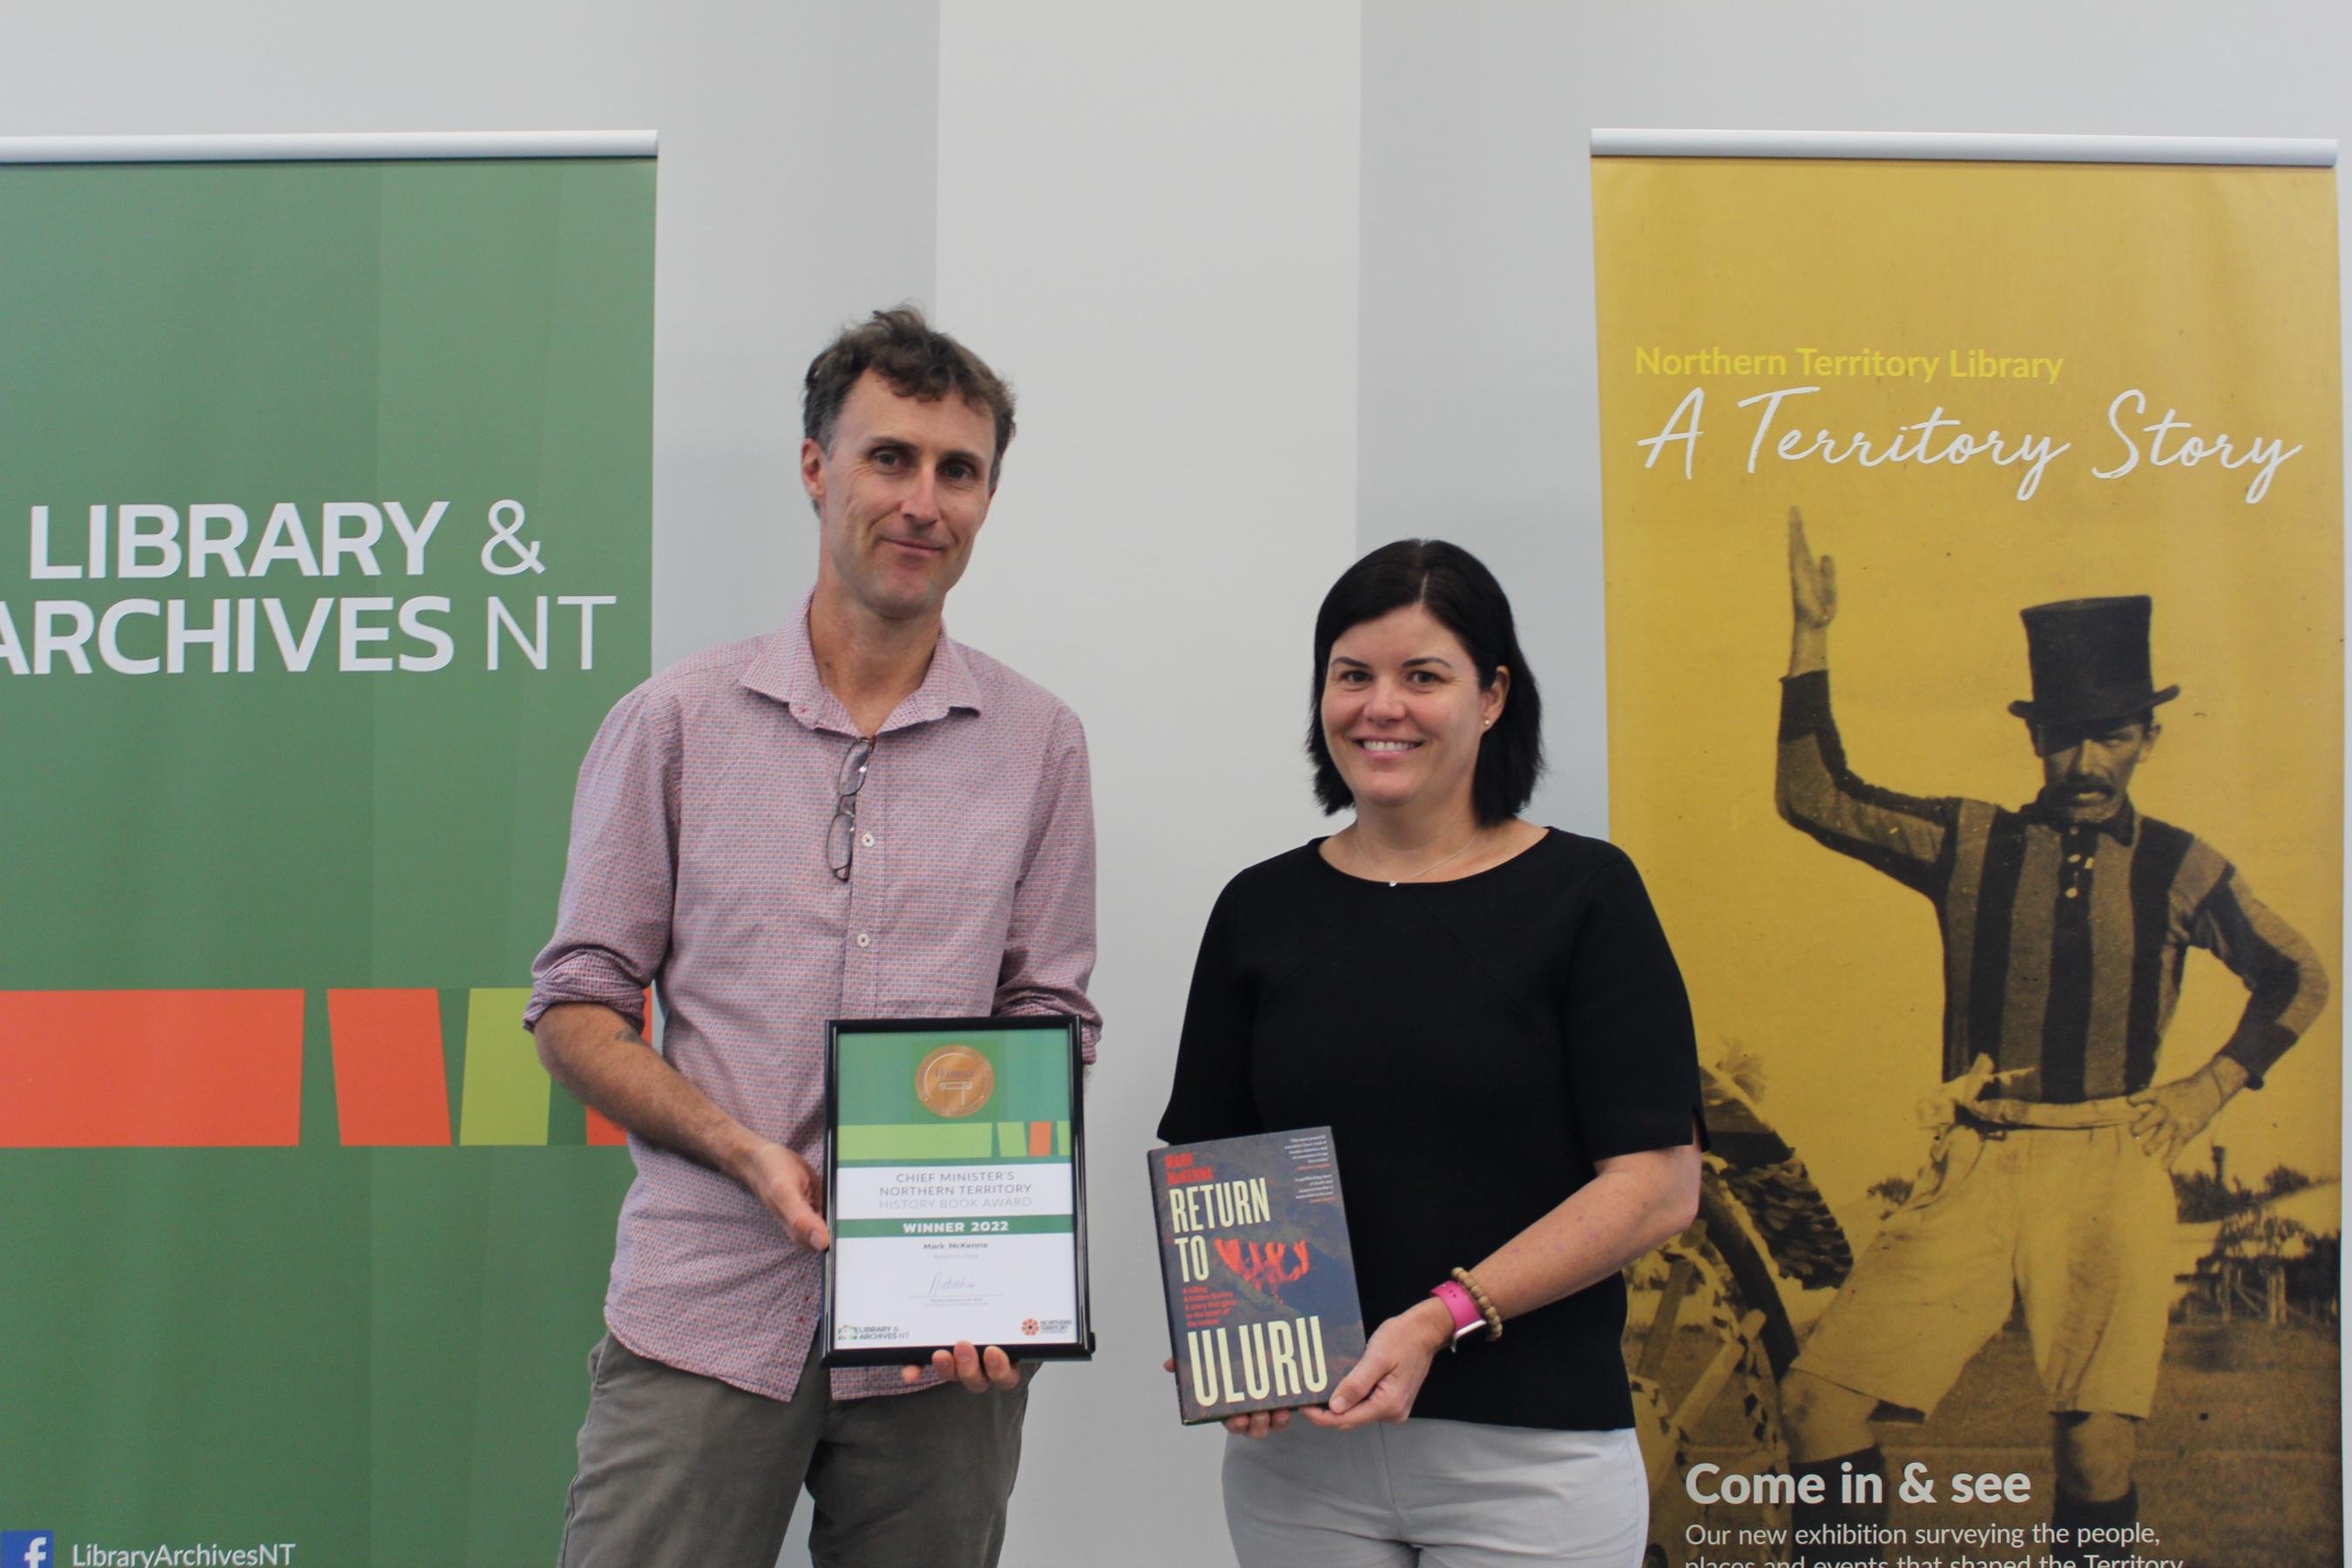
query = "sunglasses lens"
{"x": 853, "y": 770}
{"x": 840, "y": 843}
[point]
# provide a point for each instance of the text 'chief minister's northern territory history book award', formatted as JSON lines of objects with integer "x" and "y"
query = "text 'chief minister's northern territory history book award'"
{"x": 1261, "y": 1282}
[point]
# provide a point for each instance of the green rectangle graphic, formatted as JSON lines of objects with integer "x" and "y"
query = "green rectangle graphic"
{"x": 506, "y": 1093}
{"x": 937, "y": 1140}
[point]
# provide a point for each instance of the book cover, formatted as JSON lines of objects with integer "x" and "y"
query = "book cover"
{"x": 1260, "y": 1280}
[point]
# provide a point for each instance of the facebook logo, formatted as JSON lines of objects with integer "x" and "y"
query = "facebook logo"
{"x": 27, "y": 1549}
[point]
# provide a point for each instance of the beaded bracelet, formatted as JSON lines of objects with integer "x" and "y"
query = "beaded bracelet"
{"x": 1469, "y": 1281}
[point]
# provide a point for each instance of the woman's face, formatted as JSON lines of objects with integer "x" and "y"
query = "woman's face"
{"x": 1403, "y": 712}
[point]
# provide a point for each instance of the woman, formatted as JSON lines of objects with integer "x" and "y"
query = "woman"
{"x": 1487, "y": 1014}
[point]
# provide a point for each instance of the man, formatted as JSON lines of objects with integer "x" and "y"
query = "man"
{"x": 2065, "y": 924}
{"x": 853, "y": 817}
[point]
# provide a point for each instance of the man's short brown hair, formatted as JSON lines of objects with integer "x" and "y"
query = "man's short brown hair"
{"x": 916, "y": 361}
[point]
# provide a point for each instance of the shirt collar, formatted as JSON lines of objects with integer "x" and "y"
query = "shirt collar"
{"x": 2123, "y": 827}
{"x": 784, "y": 668}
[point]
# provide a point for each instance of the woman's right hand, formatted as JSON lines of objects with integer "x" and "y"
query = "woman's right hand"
{"x": 1257, "y": 1423}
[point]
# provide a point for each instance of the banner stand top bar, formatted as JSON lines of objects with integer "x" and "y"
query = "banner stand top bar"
{"x": 334, "y": 148}
{"x": 2311, "y": 153}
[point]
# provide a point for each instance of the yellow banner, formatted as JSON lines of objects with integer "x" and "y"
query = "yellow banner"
{"x": 1987, "y": 388}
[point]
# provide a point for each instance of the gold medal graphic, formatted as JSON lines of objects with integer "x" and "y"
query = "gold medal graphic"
{"x": 954, "y": 1080}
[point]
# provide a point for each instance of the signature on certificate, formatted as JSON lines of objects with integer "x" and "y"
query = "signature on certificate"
{"x": 957, "y": 1290}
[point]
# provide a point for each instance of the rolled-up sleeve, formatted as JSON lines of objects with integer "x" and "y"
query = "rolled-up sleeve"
{"x": 1049, "y": 947}
{"x": 613, "y": 921}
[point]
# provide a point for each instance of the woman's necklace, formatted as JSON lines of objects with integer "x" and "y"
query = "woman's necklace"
{"x": 1358, "y": 852}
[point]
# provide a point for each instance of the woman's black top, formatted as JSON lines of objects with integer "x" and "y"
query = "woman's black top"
{"x": 1475, "y": 1047}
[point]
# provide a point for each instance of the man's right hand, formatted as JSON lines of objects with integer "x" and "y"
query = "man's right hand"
{"x": 794, "y": 1192}
{"x": 601, "y": 1056}
{"x": 1813, "y": 601}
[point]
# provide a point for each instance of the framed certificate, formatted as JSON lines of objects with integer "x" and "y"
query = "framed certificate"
{"x": 954, "y": 1189}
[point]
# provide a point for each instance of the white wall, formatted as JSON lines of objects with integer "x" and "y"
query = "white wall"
{"x": 1234, "y": 375}
{"x": 1179, "y": 310}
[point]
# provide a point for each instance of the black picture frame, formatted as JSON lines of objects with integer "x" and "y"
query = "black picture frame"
{"x": 841, "y": 1031}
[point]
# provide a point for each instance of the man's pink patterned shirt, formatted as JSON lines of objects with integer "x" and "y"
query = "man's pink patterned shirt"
{"x": 698, "y": 866}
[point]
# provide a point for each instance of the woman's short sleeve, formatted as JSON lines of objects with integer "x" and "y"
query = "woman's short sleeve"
{"x": 1211, "y": 1097}
{"x": 1633, "y": 1052}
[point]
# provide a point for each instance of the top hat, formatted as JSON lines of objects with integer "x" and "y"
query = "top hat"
{"x": 2089, "y": 660}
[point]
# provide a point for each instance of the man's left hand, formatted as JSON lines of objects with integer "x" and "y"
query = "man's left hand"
{"x": 977, "y": 1369}
{"x": 2172, "y": 1114}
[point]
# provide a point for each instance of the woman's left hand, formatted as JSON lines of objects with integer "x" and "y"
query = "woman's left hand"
{"x": 1385, "y": 1384}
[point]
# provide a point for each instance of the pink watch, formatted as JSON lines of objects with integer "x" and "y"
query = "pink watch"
{"x": 1466, "y": 1316}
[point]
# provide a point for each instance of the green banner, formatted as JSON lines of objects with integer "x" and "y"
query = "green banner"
{"x": 325, "y": 496}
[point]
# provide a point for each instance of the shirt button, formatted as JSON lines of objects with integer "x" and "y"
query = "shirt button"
{"x": 2071, "y": 858}
{"x": 2071, "y": 892}
{"x": 865, "y": 941}
{"x": 867, "y": 839}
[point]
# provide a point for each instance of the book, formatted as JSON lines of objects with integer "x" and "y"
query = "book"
{"x": 1260, "y": 1280}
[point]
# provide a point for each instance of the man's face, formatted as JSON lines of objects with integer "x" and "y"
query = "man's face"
{"x": 2086, "y": 770}
{"x": 899, "y": 497}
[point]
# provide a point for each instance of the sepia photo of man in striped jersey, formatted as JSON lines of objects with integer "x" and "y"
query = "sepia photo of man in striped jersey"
{"x": 2066, "y": 924}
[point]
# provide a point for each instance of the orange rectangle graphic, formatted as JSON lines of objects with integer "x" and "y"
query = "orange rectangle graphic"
{"x": 604, "y": 1132}
{"x": 151, "y": 1069}
{"x": 1041, "y": 1138}
{"x": 391, "y": 1087}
